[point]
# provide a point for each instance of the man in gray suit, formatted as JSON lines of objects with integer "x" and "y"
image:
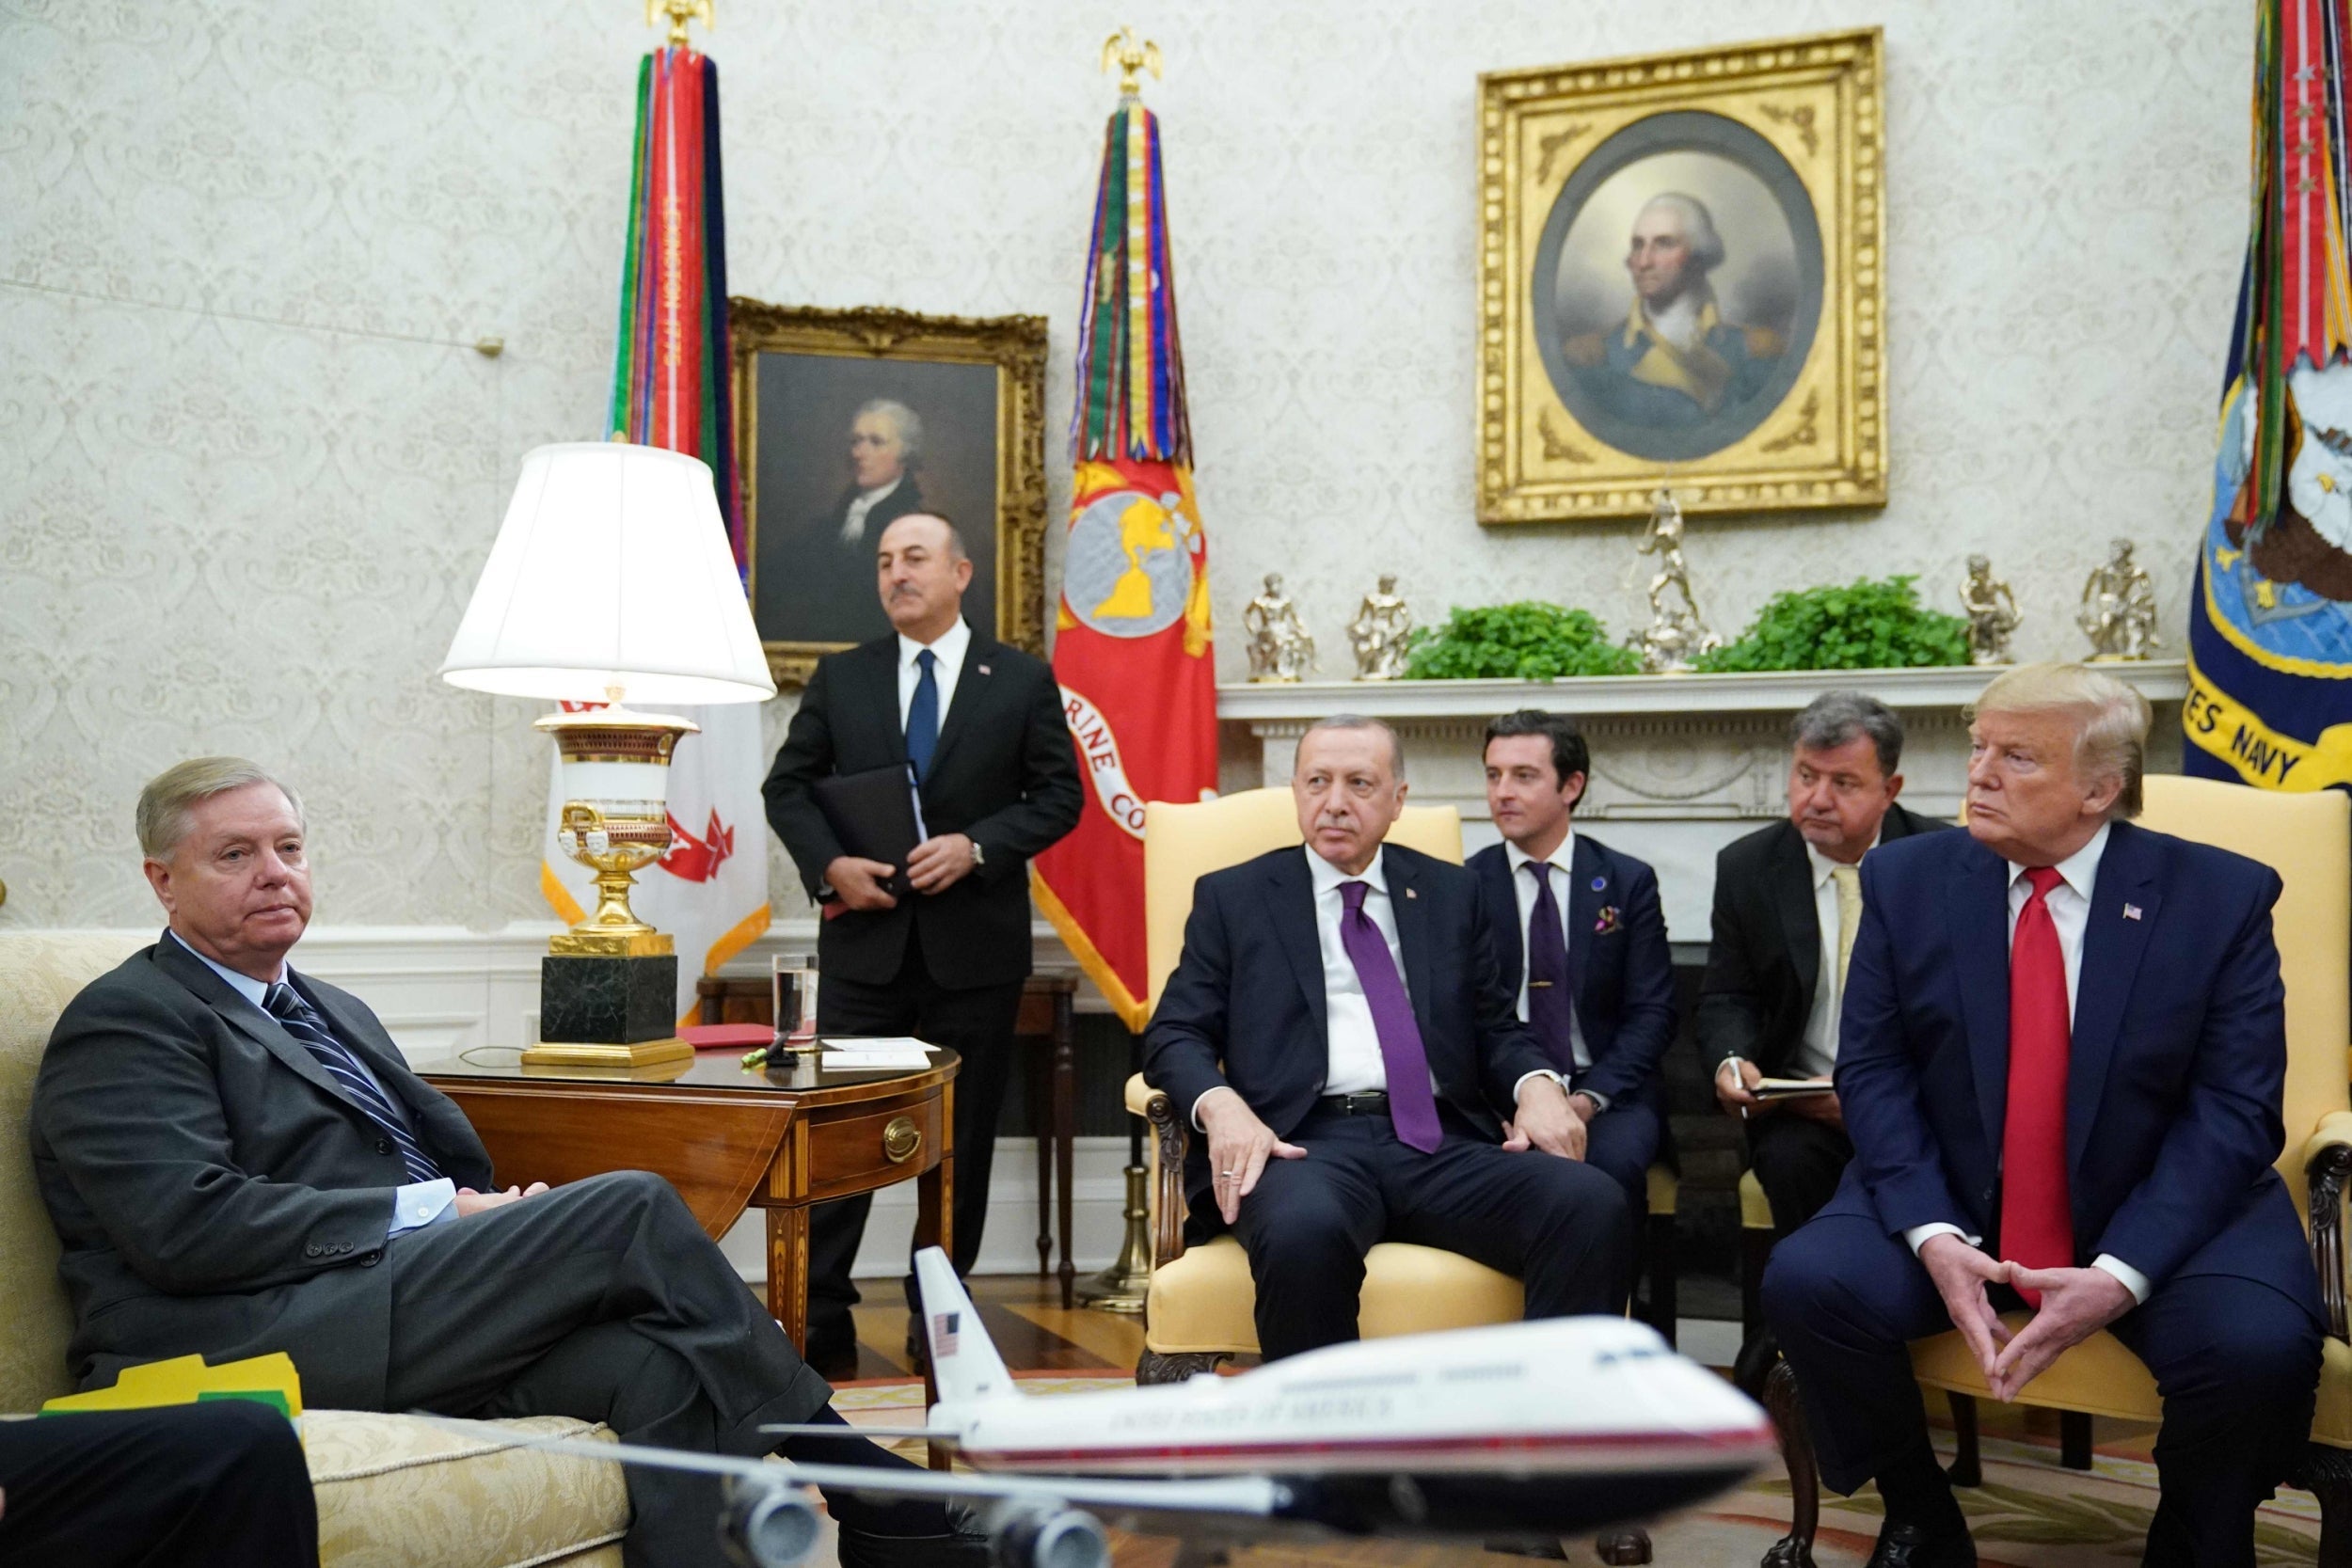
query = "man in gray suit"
{"x": 238, "y": 1161}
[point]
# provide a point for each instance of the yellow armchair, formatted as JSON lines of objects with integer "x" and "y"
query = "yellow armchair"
{"x": 2307, "y": 838}
{"x": 1198, "y": 1308}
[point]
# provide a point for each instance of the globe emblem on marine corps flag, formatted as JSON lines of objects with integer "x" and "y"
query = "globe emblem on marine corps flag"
{"x": 1128, "y": 573}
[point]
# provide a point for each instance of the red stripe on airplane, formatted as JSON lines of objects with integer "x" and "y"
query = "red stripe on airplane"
{"x": 986, "y": 1458}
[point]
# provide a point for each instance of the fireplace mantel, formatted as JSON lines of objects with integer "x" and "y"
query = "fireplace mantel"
{"x": 1681, "y": 763}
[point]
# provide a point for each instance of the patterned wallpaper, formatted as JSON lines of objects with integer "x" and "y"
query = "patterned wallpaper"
{"x": 250, "y": 462}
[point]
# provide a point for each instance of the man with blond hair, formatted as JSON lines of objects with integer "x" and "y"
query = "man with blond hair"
{"x": 238, "y": 1161}
{"x": 2060, "y": 1061}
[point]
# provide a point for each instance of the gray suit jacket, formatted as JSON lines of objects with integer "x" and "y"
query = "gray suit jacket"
{"x": 213, "y": 1190}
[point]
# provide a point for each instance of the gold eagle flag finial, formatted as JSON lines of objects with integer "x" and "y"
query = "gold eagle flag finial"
{"x": 680, "y": 12}
{"x": 1121, "y": 50}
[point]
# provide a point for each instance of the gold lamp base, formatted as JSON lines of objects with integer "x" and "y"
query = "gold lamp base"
{"x": 1121, "y": 1287}
{"x": 588, "y": 1054}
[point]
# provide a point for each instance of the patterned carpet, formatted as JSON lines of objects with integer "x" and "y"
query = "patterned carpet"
{"x": 2030, "y": 1513}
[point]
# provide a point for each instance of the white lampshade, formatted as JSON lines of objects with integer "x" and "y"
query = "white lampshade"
{"x": 611, "y": 570}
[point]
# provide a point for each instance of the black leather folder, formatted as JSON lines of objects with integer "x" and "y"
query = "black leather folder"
{"x": 872, "y": 813}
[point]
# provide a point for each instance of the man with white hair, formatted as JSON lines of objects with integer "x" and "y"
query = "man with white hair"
{"x": 2061, "y": 1062}
{"x": 1676, "y": 362}
{"x": 238, "y": 1160}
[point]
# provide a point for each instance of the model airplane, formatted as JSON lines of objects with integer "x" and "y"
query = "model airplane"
{"x": 1522, "y": 1430}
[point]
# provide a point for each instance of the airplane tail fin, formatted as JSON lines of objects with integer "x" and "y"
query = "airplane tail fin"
{"x": 964, "y": 1360}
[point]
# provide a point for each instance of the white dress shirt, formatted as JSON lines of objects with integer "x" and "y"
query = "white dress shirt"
{"x": 414, "y": 1205}
{"x": 950, "y": 651}
{"x": 2070, "y": 912}
{"x": 853, "y": 522}
{"x": 1354, "y": 1064}
{"x": 1562, "y": 862}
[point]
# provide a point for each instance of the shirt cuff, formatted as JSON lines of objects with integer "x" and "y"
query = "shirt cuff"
{"x": 1226, "y": 1088}
{"x": 421, "y": 1203}
{"x": 2135, "y": 1282}
{"x": 1919, "y": 1234}
{"x": 1540, "y": 1072}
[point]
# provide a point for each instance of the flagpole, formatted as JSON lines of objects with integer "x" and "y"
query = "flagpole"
{"x": 1123, "y": 1286}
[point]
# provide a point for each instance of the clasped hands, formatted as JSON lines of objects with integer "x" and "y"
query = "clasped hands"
{"x": 470, "y": 1202}
{"x": 933, "y": 866}
{"x": 1240, "y": 1144}
{"x": 2076, "y": 1304}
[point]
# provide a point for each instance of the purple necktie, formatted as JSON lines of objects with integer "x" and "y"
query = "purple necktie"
{"x": 1412, "y": 1105}
{"x": 1550, "y": 1010}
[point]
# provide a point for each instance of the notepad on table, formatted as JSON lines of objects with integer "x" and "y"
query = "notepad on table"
{"x": 874, "y": 1053}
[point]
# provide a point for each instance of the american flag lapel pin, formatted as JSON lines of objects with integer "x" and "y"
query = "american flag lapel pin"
{"x": 981, "y": 668}
{"x": 2131, "y": 911}
{"x": 1410, "y": 893}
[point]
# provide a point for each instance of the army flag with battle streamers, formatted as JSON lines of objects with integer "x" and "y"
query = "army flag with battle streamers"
{"x": 671, "y": 390}
{"x": 2270, "y": 628}
{"x": 1131, "y": 650}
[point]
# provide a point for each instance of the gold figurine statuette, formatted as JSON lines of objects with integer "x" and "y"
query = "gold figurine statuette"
{"x": 1991, "y": 611}
{"x": 1382, "y": 633}
{"x": 2119, "y": 608}
{"x": 1279, "y": 648}
{"x": 1678, "y": 632}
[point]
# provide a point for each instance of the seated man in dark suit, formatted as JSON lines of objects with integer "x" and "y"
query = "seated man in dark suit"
{"x": 1582, "y": 941}
{"x": 1788, "y": 902}
{"x": 238, "y": 1161}
{"x": 2062, "y": 1060}
{"x": 1338, "y": 1029}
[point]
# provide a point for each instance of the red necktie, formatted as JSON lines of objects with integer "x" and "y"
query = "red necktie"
{"x": 2037, "y": 1225}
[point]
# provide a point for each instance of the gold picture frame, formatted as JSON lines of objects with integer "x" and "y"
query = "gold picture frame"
{"x": 1761, "y": 384}
{"x": 971, "y": 392}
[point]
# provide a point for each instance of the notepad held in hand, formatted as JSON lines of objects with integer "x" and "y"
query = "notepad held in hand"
{"x": 872, "y": 813}
{"x": 1789, "y": 1088}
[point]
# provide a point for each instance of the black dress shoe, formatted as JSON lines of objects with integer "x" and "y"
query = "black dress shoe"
{"x": 962, "y": 1547}
{"x": 1903, "y": 1546}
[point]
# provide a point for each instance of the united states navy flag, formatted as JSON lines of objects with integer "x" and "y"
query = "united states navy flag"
{"x": 2270, "y": 632}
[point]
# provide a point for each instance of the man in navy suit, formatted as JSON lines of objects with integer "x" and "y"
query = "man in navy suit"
{"x": 2061, "y": 1059}
{"x": 1339, "y": 1031}
{"x": 1581, "y": 942}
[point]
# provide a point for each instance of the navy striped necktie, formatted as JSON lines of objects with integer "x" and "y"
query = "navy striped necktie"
{"x": 303, "y": 1023}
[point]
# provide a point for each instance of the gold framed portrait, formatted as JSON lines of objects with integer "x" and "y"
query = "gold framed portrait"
{"x": 847, "y": 418}
{"x": 1681, "y": 280}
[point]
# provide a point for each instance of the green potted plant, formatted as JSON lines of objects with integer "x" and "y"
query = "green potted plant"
{"x": 1864, "y": 624}
{"x": 1528, "y": 640}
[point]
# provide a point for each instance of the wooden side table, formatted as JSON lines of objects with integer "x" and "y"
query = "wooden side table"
{"x": 727, "y": 1139}
{"x": 1044, "y": 1023}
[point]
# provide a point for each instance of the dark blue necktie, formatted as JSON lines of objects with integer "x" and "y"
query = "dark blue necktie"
{"x": 302, "y": 1021}
{"x": 923, "y": 716}
{"x": 1551, "y": 1009}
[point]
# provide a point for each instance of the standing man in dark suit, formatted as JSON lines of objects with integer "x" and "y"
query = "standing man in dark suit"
{"x": 1581, "y": 942}
{"x": 1788, "y": 902}
{"x": 238, "y": 1161}
{"x": 1338, "y": 1027}
{"x": 982, "y": 726}
{"x": 2062, "y": 1063}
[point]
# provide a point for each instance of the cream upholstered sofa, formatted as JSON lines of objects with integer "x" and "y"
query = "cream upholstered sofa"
{"x": 393, "y": 1491}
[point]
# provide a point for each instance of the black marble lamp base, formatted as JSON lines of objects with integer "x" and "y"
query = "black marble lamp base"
{"x": 607, "y": 1010}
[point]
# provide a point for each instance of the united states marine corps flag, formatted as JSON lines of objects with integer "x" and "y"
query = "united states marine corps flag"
{"x": 1131, "y": 647}
{"x": 670, "y": 388}
{"x": 2270, "y": 631}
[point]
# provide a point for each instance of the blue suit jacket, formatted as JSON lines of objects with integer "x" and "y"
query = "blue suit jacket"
{"x": 1245, "y": 1006}
{"x": 1622, "y": 979}
{"x": 2175, "y": 1071}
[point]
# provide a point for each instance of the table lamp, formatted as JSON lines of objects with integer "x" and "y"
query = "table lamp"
{"x": 612, "y": 581}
